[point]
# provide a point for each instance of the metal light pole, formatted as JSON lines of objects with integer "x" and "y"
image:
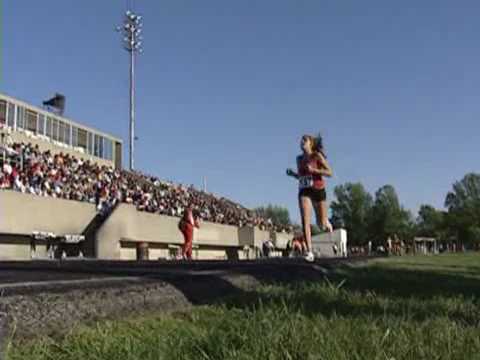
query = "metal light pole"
{"x": 132, "y": 42}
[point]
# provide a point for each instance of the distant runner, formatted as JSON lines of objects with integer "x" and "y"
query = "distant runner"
{"x": 297, "y": 246}
{"x": 187, "y": 225}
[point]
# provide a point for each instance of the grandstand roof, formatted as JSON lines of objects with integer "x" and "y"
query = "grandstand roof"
{"x": 45, "y": 112}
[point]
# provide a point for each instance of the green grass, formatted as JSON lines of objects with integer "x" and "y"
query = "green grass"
{"x": 396, "y": 308}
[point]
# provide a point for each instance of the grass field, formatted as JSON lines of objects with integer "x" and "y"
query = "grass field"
{"x": 395, "y": 308}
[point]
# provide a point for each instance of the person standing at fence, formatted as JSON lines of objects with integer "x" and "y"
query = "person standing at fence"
{"x": 312, "y": 167}
{"x": 187, "y": 225}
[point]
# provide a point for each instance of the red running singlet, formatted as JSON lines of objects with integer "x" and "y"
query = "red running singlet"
{"x": 314, "y": 161}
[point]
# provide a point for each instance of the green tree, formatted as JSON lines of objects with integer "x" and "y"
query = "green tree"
{"x": 463, "y": 204}
{"x": 474, "y": 236}
{"x": 389, "y": 218}
{"x": 351, "y": 210}
{"x": 431, "y": 223}
{"x": 408, "y": 227}
{"x": 465, "y": 195}
{"x": 278, "y": 214}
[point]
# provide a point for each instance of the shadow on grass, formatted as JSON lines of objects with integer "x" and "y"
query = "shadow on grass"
{"x": 204, "y": 289}
{"x": 383, "y": 280}
{"x": 211, "y": 287}
{"x": 405, "y": 294}
{"x": 474, "y": 269}
{"x": 407, "y": 283}
{"x": 407, "y": 290}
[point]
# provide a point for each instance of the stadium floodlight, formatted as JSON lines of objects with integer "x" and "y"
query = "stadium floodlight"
{"x": 132, "y": 25}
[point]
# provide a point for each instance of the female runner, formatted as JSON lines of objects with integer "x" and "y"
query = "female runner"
{"x": 312, "y": 167}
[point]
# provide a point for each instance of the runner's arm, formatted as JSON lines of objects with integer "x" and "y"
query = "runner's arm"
{"x": 292, "y": 173}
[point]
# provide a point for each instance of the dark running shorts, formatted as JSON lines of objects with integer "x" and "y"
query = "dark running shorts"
{"x": 315, "y": 195}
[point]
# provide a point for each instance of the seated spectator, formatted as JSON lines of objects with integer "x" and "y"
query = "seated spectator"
{"x": 267, "y": 248}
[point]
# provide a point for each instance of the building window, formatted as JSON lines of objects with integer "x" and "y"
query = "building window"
{"x": 11, "y": 115}
{"x": 102, "y": 149}
{"x": 48, "y": 129}
{"x": 20, "y": 117}
{"x": 96, "y": 150}
{"x": 61, "y": 132}
{"x": 90, "y": 143}
{"x": 105, "y": 149}
{"x": 108, "y": 149}
{"x": 82, "y": 139}
{"x": 74, "y": 136}
{"x": 41, "y": 124}
{"x": 67, "y": 134}
{"x": 55, "y": 129}
{"x": 31, "y": 121}
{"x": 3, "y": 112}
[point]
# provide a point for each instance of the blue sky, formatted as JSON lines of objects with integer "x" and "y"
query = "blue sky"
{"x": 226, "y": 88}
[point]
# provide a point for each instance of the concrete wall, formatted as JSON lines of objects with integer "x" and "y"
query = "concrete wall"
{"x": 128, "y": 225}
{"x": 323, "y": 244}
{"x": 246, "y": 236}
{"x": 210, "y": 254}
{"x": 253, "y": 237}
{"x": 260, "y": 236}
{"x": 15, "y": 252}
{"x": 128, "y": 253}
{"x": 14, "y": 247}
{"x": 213, "y": 234}
{"x": 23, "y": 214}
{"x": 40, "y": 251}
{"x": 281, "y": 239}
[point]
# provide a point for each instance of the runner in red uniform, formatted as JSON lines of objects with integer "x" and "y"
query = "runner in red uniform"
{"x": 299, "y": 245}
{"x": 312, "y": 167}
{"x": 187, "y": 224}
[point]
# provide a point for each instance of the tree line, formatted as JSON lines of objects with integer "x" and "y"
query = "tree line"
{"x": 376, "y": 217}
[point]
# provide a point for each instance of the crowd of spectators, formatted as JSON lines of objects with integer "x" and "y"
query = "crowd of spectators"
{"x": 25, "y": 168}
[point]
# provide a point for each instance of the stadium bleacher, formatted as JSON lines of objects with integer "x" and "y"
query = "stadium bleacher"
{"x": 59, "y": 176}
{"x": 25, "y": 168}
